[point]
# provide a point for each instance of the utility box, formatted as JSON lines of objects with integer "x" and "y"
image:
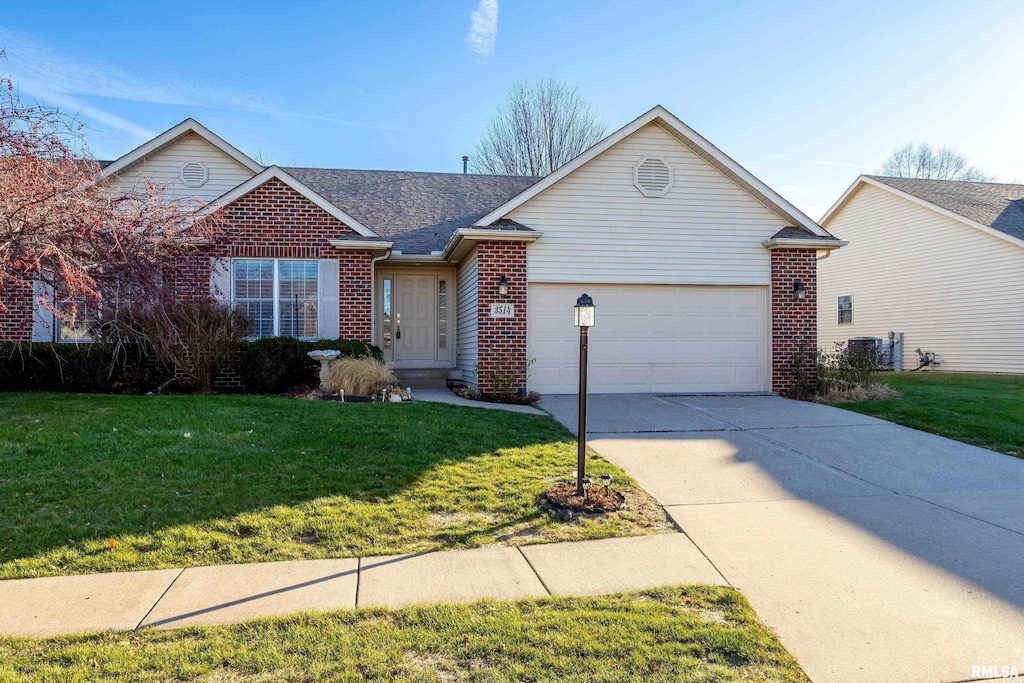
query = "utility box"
{"x": 888, "y": 351}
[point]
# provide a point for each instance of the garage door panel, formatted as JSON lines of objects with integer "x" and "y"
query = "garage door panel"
{"x": 653, "y": 338}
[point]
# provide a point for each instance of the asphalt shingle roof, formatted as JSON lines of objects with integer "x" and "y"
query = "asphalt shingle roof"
{"x": 997, "y": 205}
{"x": 419, "y": 212}
{"x": 795, "y": 233}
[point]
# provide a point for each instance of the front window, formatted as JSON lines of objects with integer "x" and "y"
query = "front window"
{"x": 386, "y": 318}
{"x": 298, "y": 298}
{"x": 442, "y": 314}
{"x": 845, "y": 310}
{"x": 76, "y": 319}
{"x": 279, "y": 296}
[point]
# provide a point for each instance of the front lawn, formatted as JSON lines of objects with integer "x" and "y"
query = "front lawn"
{"x": 675, "y": 634}
{"x": 984, "y": 410}
{"x": 92, "y": 483}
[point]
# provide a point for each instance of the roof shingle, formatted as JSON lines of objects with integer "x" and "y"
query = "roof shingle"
{"x": 999, "y": 206}
{"x": 419, "y": 212}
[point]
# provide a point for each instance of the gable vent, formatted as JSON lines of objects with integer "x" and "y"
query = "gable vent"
{"x": 194, "y": 174}
{"x": 652, "y": 176}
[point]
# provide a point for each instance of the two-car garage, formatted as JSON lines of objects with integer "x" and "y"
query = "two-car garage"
{"x": 651, "y": 338}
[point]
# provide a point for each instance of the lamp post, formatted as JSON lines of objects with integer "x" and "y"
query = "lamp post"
{"x": 584, "y": 319}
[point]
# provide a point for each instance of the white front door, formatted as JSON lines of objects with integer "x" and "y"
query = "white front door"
{"x": 652, "y": 338}
{"x": 415, "y": 318}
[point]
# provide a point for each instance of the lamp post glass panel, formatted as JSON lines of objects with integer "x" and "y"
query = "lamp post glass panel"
{"x": 583, "y": 316}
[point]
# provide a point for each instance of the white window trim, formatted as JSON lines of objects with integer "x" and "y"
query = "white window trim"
{"x": 277, "y": 289}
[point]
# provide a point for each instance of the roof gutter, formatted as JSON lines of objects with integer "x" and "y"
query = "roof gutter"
{"x": 789, "y": 243}
{"x": 463, "y": 235}
{"x": 361, "y": 245}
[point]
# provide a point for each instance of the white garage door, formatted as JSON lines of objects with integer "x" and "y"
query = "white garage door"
{"x": 651, "y": 338}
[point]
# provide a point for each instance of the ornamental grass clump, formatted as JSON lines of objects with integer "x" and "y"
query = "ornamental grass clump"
{"x": 366, "y": 376}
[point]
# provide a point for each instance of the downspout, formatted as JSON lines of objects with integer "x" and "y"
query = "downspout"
{"x": 373, "y": 293}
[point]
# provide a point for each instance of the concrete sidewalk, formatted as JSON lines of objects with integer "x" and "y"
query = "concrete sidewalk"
{"x": 176, "y": 598}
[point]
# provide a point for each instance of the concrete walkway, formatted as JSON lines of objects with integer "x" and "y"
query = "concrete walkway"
{"x": 446, "y": 396}
{"x": 176, "y": 598}
{"x": 878, "y": 552}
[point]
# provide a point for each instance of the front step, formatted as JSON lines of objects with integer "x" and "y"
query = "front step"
{"x": 423, "y": 378}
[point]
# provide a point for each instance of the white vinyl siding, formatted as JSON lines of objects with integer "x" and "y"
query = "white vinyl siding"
{"x": 651, "y": 338}
{"x": 466, "y": 318}
{"x": 163, "y": 168}
{"x": 599, "y": 228}
{"x": 949, "y": 287}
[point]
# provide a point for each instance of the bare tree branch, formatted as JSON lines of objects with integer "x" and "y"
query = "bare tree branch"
{"x": 922, "y": 161}
{"x": 542, "y": 125}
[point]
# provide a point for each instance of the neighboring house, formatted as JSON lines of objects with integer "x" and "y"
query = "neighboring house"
{"x": 941, "y": 261}
{"x": 703, "y": 277}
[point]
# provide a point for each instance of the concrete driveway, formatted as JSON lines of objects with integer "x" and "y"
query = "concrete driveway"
{"x": 878, "y": 552}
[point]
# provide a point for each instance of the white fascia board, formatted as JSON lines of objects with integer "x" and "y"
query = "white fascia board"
{"x": 184, "y": 128}
{"x": 360, "y": 244}
{"x": 783, "y": 243}
{"x": 477, "y": 234}
{"x": 659, "y": 113}
{"x": 279, "y": 173}
{"x": 839, "y": 203}
{"x": 863, "y": 180}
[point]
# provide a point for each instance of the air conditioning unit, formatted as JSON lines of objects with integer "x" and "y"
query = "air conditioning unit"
{"x": 889, "y": 352}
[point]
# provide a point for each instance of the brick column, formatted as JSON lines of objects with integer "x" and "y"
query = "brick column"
{"x": 501, "y": 342}
{"x": 794, "y": 321}
{"x": 16, "y": 321}
{"x": 355, "y": 295}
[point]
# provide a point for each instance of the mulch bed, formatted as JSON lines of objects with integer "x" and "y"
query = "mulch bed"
{"x": 598, "y": 498}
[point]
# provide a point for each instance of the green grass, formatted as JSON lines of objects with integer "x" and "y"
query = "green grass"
{"x": 196, "y": 480}
{"x": 984, "y": 410}
{"x": 692, "y": 634}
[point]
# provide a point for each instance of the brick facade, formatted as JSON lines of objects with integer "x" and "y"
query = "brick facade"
{"x": 794, "y": 321}
{"x": 275, "y": 221}
{"x": 16, "y": 321}
{"x": 501, "y": 342}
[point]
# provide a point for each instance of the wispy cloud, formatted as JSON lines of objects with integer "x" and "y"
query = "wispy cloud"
{"x": 47, "y": 74}
{"x": 863, "y": 167}
{"x": 483, "y": 31}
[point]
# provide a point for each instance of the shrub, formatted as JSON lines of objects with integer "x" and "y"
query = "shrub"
{"x": 93, "y": 368}
{"x": 274, "y": 365}
{"x": 508, "y": 379}
{"x": 366, "y": 376}
{"x": 816, "y": 372}
{"x": 195, "y": 339}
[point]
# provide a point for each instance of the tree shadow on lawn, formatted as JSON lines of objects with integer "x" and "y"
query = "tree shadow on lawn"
{"x": 190, "y": 480}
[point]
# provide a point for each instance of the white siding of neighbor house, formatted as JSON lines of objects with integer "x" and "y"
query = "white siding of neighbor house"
{"x": 164, "y": 166}
{"x": 949, "y": 287}
{"x": 466, "y": 318}
{"x": 598, "y": 227}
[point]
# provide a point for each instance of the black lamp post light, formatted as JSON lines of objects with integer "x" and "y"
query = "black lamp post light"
{"x": 584, "y": 318}
{"x": 565, "y": 499}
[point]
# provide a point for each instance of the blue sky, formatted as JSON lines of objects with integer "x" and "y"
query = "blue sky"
{"x": 806, "y": 95}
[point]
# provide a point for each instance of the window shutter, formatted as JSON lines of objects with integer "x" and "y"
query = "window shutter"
{"x": 43, "y": 320}
{"x": 329, "y": 298}
{"x": 220, "y": 279}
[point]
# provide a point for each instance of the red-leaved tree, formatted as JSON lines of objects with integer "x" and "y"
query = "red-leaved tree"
{"x": 87, "y": 240}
